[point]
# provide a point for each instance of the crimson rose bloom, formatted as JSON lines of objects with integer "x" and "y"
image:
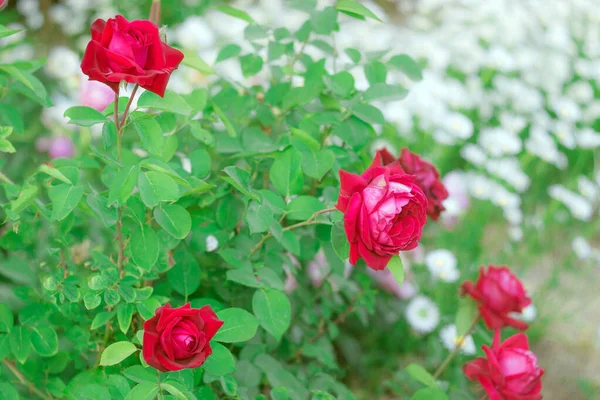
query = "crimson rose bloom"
{"x": 129, "y": 51}
{"x": 178, "y": 338}
{"x": 510, "y": 371}
{"x": 499, "y": 292}
{"x": 384, "y": 213}
{"x": 428, "y": 178}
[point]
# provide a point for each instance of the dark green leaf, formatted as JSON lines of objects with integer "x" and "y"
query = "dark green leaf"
{"x": 303, "y": 207}
{"x": 339, "y": 241}
{"x": 20, "y": 343}
{"x": 156, "y": 187}
{"x": 259, "y": 217}
{"x": 184, "y": 277}
{"x": 286, "y": 173}
{"x": 144, "y": 246}
{"x": 123, "y": 184}
{"x": 7, "y": 319}
{"x": 64, "y": 200}
{"x": 273, "y": 310}
{"x": 44, "y": 340}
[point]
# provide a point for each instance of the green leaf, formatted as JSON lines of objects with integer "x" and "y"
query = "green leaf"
{"x": 341, "y": 84}
{"x": 111, "y": 297}
{"x": 303, "y": 207}
{"x": 143, "y": 391}
{"x": 354, "y": 9}
{"x": 174, "y": 219}
{"x": 84, "y": 116}
{"x": 55, "y": 173}
{"x": 467, "y": 312}
{"x": 193, "y": 61}
{"x": 139, "y": 374}
{"x": 278, "y": 375}
{"x": 197, "y": 99}
{"x": 6, "y": 146}
{"x": 20, "y": 343}
{"x": 184, "y": 277}
{"x": 407, "y": 65}
{"x": 251, "y": 64}
{"x": 273, "y": 310}
{"x": 324, "y": 22}
{"x": 236, "y": 13}
{"x": 243, "y": 276}
{"x": 91, "y": 300}
{"x": 170, "y": 102}
{"x": 238, "y": 326}
{"x": 255, "y": 32}
{"x": 229, "y": 51}
{"x": 7, "y": 320}
{"x": 419, "y": 373}
{"x": 101, "y": 319}
{"x": 177, "y": 392}
{"x": 376, "y": 72}
{"x": 27, "y": 79}
{"x": 5, "y": 131}
{"x": 64, "y": 200}
{"x": 220, "y": 362}
{"x": 240, "y": 179}
{"x": 226, "y": 121}
{"x": 305, "y": 138}
{"x": 150, "y": 134}
{"x": 339, "y": 240}
{"x": 286, "y": 173}
{"x": 117, "y": 352}
{"x": 156, "y": 187}
{"x": 384, "y": 91}
{"x": 429, "y": 394}
{"x": 144, "y": 246}
{"x": 368, "y": 113}
{"x": 354, "y": 55}
{"x": 317, "y": 163}
{"x": 4, "y": 31}
{"x": 123, "y": 185}
{"x": 26, "y": 198}
{"x": 99, "y": 205}
{"x": 397, "y": 269}
{"x": 8, "y": 391}
{"x": 259, "y": 217}
{"x": 44, "y": 340}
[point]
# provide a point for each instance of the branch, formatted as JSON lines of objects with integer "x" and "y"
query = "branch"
{"x": 310, "y": 221}
{"x": 24, "y": 381}
{"x": 454, "y": 352}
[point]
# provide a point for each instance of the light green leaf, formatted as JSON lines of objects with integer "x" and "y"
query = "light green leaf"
{"x": 44, "y": 340}
{"x": 251, "y": 64}
{"x": 20, "y": 343}
{"x": 407, "y": 65}
{"x": 99, "y": 205}
{"x": 220, "y": 362}
{"x": 273, "y": 310}
{"x": 303, "y": 207}
{"x": 419, "y": 373}
{"x": 229, "y": 51}
{"x": 8, "y": 391}
{"x": 139, "y": 374}
{"x": 170, "y": 102}
{"x": 305, "y": 138}
{"x": 193, "y": 61}
{"x": 339, "y": 240}
{"x": 429, "y": 394}
{"x": 185, "y": 276}
{"x": 368, "y": 113}
{"x": 240, "y": 179}
{"x": 239, "y": 326}
{"x": 101, "y": 319}
{"x": 124, "y": 315}
{"x": 317, "y": 164}
{"x": 117, "y": 352}
{"x": 396, "y": 268}
{"x": 64, "y": 200}
{"x": 143, "y": 391}
{"x": 84, "y": 116}
{"x": 226, "y": 121}
{"x": 6, "y": 146}
{"x": 385, "y": 92}
{"x": 4, "y": 31}
{"x": 467, "y": 312}
{"x": 243, "y": 276}
{"x": 7, "y": 320}
{"x": 123, "y": 185}
{"x": 156, "y": 187}
{"x": 174, "y": 219}
{"x": 259, "y": 217}
{"x": 354, "y": 9}
{"x": 144, "y": 246}
{"x": 53, "y": 172}
{"x": 236, "y": 13}
{"x": 150, "y": 134}
{"x": 26, "y": 198}
{"x": 286, "y": 173}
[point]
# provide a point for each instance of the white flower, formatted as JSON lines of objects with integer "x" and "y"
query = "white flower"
{"x": 62, "y": 63}
{"x": 473, "y": 154}
{"x": 442, "y": 265}
{"x": 566, "y": 109}
{"x": 195, "y": 34}
{"x": 211, "y": 243}
{"x": 581, "y": 248}
{"x": 588, "y": 139}
{"x": 450, "y": 340}
{"x": 529, "y": 314}
{"x": 588, "y": 188}
{"x": 515, "y": 233}
{"x": 459, "y": 126}
{"x": 422, "y": 314}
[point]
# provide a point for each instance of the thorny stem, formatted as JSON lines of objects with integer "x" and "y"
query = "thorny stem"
{"x": 297, "y": 57}
{"x": 454, "y": 352}
{"x": 310, "y": 221}
{"x": 24, "y": 381}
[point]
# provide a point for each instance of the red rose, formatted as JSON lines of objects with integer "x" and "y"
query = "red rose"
{"x": 178, "y": 338}
{"x": 510, "y": 371}
{"x": 499, "y": 292}
{"x": 129, "y": 51}
{"x": 428, "y": 178}
{"x": 384, "y": 213}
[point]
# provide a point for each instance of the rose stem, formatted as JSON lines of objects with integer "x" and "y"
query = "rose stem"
{"x": 453, "y": 354}
{"x": 310, "y": 221}
{"x": 24, "y": 381}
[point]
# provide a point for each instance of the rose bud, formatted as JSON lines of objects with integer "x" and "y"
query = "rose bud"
{"x": 178, "y": 338}
{"x": 499, "y": 292}
{"x": 427, "y": 177}
{"x": 384, "y": 212}
{"x": 129, "y": 51}
{"x": 510, "y": 371}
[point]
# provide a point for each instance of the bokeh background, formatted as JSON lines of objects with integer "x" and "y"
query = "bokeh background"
{"x": 508, "y": 108}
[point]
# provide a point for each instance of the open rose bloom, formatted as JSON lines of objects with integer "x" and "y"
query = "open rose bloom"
{"x": 384, "y": 212}
{"x": 510, "y": 370}
{"x": 129, "y": 51}
{"x": 178, "y": 338}
{"x": 499, "y": 292}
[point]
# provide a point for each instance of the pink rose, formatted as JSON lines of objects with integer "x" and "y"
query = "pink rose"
{"x": 510, "y": 371}
{"x": 61, "y": 147}
{"x": 95, "y": 94}
{"x": 499, "y": 292}
{"x": 384, "y": 212}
